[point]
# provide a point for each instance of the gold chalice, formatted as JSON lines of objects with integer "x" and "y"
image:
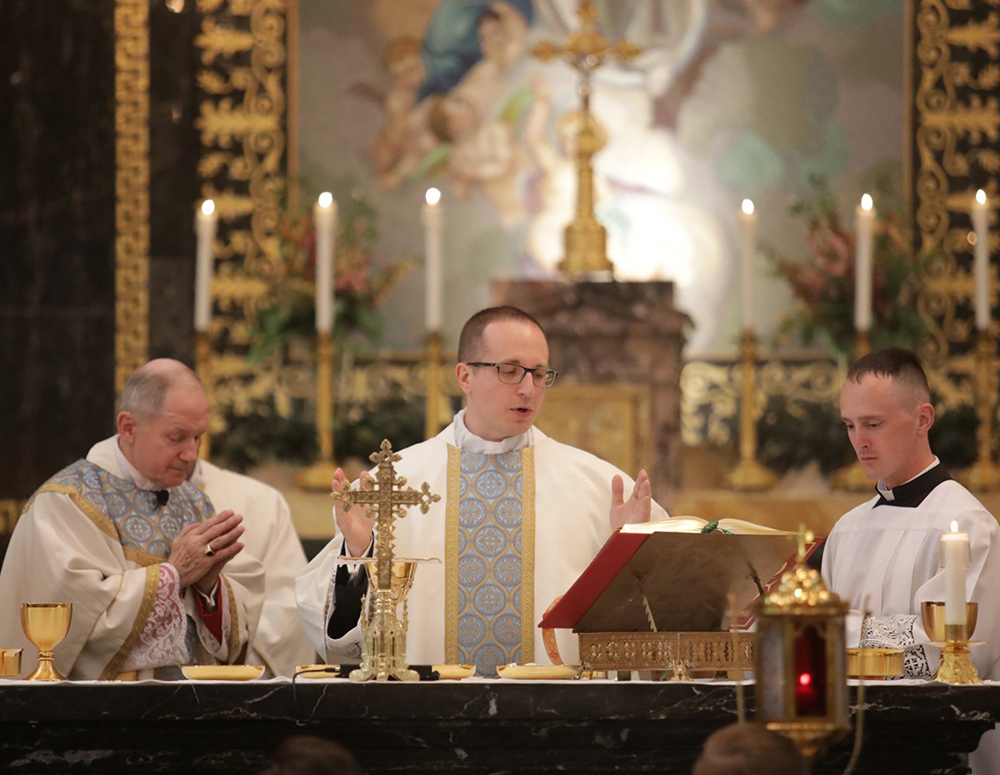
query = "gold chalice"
{"x": 46, "y": 624}
{"x": 954, "y": 640}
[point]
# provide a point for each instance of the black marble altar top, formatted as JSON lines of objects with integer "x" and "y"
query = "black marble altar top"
{"x": 470, "y": 726}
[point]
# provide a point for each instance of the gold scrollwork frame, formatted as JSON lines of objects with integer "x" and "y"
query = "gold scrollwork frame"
{"x": 953, "y": 138}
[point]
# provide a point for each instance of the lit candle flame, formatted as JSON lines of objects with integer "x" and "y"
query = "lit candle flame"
{"x": 866, "y": 202}
{"x": 747, "y": 206}
{"x": 954, "y": 526}
{"x": 325, "y": 199}
{"x": 433, "y": 196}
{"x": 981, "y": 197}
{"x": 208, "y": 207}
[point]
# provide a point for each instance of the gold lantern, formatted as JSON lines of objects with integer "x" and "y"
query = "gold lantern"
{"x": 800, "y": 662}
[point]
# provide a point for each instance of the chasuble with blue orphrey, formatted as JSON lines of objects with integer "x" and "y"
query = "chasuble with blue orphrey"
{"x": 146, "y": 530}
{"x": 128, "y": 513}
{"x": 490, "y": 559}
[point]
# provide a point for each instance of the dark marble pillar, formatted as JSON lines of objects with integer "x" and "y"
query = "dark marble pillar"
{"x": 57, "y": 231}
{"x": 174, "y": 186}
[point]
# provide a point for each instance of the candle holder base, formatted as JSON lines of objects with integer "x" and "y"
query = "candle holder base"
{"x": 318, "y": 477}
{"x": 750, "y": 475}
{"x": 853, "y": 478}
{"x": 956, "y": 665}
{"x": 982, "y": 476}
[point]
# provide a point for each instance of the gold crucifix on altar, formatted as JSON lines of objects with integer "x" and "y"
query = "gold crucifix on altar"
{"x": 383, "y": 643}
{"x": 585, "y": 50}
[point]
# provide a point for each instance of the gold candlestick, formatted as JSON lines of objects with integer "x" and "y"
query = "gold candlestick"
{"x": 319, "y": 475}
{"x": 585, "y": 50}
{"x": 984, "y": 474}
{"x": 749, "y": 474}
{"x": 203, "y": 365}
{"x": 956, "y": 663}
{"x": 852, "y": 476}
{"x": 432, "y": 380}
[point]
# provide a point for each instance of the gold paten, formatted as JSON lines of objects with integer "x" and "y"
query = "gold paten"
{"x": 585, "y": 50}
{"x": 383, "y": 631}
{"x": 954, "y": 640}
{"x": 45, "y": 625}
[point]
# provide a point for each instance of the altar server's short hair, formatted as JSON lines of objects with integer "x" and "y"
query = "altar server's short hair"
{"x": 471, "y": 339}
{"x": 749, "y": 749}
{"x": 895, "y": 363}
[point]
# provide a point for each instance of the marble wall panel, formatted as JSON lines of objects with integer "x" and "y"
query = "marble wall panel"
{"x": 57, "y": 226}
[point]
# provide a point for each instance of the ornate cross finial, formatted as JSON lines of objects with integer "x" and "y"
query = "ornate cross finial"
{"x": 585, "y": 50}
{"x": 387, "y": 501}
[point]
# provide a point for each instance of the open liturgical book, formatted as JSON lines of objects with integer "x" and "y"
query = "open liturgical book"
{"x": 682, "y": 574}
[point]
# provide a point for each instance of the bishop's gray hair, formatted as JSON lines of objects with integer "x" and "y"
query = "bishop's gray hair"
{"x": 146, "y": 390}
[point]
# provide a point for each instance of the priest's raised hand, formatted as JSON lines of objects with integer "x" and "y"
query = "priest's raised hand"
{"x": 637, "y": 507}
{"x": 354, "y": 523}
{"x": 201, "y": 550}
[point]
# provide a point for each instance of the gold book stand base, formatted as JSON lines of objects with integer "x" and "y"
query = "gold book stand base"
{"x": 679, "y": 652}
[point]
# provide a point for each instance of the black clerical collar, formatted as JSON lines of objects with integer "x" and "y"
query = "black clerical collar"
{"x": 162, "y": 496}
{"x": 912, "y": 494}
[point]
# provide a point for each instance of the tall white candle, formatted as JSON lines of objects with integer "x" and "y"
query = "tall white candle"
{"x": 432, "y": 248}
{"x": 325, "y": 219}
{"x": 981, "y": 262}
{"x": 206, "y": 222}
{"x": 865, "y": 217}
{"x": 955, "y": 559}
{"x": 748, "y": 225}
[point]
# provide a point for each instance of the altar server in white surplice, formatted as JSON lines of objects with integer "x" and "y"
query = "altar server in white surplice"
{"x": 269, "y": 537}
{"x": 887, "y": 549}
{"x": 156, "y": 578}
{"x": 520, "y": 519}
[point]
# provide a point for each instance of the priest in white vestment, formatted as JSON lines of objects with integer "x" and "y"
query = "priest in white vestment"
{"x": 270, "y": 537}
{"x": 885, "y": 554}
{"x": 155, "y": 577}
{"x": 520, "y": 519}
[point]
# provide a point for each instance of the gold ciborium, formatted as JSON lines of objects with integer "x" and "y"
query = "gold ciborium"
{"x": 10, "y": 663}
{"x": 956, "y": 666}
{"x": 46, "y": 624}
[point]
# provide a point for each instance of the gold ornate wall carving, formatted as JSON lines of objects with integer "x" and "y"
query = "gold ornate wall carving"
{"x": 243, "y": 119}
{"x": 710, "y": 391}
{"x": 953, "y": 133}
{"x": 131, "y": 187}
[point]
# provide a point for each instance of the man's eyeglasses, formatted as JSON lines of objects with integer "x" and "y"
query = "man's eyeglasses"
{"x": 513, "y": 373}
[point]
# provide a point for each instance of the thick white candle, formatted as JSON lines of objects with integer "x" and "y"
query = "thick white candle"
{"x": 432, "y": 249}
{"x": 206, "y": 221}
{"x": 865, "y": 216}
{"x": 325, "y": 219}
{"x": 981, "y": 263}
{"x": 955, "y": 559}
{"x": 748, "y": 224}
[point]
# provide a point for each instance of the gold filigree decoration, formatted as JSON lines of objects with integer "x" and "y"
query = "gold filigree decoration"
{"x": 710, "y": 391}
{"x": 242, "y": 123}
{"x": 131, "y": 187}
{"x": 954, "y": 123}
